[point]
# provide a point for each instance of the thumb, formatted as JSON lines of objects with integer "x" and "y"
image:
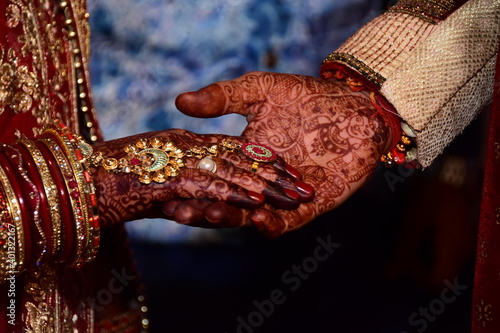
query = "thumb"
{"x": 234, "y": 96}
{"x": 204, "y": 103}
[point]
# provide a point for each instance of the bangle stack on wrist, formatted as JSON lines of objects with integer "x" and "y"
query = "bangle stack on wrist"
{"x": 58, "y": 191}
{"x": 403, "y": 136}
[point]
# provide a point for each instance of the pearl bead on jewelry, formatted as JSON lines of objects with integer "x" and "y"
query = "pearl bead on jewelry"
{"x": 207, "y": 163}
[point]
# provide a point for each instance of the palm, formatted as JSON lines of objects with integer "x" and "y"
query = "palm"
{"x": 332, "y": 135}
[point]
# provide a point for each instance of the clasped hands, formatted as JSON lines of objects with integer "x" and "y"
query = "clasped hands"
{"x": 329, "y": 139}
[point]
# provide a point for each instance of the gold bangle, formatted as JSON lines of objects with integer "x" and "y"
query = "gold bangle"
{"x": 14, "y": 210}
{"x": 82, "y": 188}
{"x": 6, "y": 231}
{"x": 50, "y": 192}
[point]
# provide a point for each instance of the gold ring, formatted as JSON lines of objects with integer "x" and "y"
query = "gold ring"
{"x": 255, "y": 166}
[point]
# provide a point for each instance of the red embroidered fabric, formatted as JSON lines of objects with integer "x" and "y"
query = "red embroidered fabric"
{"x": 43, "y": 76}
{"x": 486, "y": 298}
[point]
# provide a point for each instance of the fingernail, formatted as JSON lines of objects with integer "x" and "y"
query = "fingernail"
{"x": 304, "y": 187}
{"x": 291, "y": 193}
{"x": 256, "y": 196}
{"x": 293, "y": 172}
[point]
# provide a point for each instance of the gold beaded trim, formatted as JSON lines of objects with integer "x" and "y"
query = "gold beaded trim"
{"x": 431, "y": 11}
{"x": 358, "y": 65}
{"x": 82, "y": 92}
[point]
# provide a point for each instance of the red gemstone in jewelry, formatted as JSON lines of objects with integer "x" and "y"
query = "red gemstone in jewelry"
{"x": 88, "y": 177}
{"x": 258, "y": 152}
{"x": 95, "y": 222}
{"x": 398, "y": 156}
{"x": 135, "y": 161}
{"x": 93, "y": 200}
{"x": 78, "y": 154}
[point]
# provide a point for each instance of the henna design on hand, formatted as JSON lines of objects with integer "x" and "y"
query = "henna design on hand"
{"x": 332, "y": 135}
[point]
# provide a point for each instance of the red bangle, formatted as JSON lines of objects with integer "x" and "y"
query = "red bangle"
{"x": 36, "y": 178}
{"x": 52, "y": 220}
{"x": 31, "y": 201}
{"x": 25, "y": 220}
{"x": 68, "y": 234}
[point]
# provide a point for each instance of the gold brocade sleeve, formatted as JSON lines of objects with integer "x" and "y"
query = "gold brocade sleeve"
{"x": 436, "y": 70}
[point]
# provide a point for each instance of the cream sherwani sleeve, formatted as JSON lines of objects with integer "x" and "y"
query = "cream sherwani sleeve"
{"x": 433, "y": 62}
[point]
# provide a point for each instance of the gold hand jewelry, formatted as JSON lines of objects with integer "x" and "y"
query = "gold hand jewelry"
{"x": 152, "y": 159}
{"x": 157, "y": 159}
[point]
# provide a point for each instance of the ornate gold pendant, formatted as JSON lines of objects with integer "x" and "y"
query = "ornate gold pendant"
{"x": 152, "y": 159}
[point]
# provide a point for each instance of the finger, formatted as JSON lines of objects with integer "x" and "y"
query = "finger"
{"x": 234, "y": 96}
{"x": 200, "y": 184}
{"x": 170, "y": 206}
{"x": 190, "y": 212}
{"x": 281, "y": 195}
{"x": 278, "y": 179}
{"x": 268, "y": 223}
{"x": 206, "y": 214}
{"x": 223, "y": 215}
{"x": 306, "y": 192}
{"x": 281, "y": 191}
{"x": 274, "y": 223}
{"x": 205, "y": 103}
{"x": 232, "y": 164}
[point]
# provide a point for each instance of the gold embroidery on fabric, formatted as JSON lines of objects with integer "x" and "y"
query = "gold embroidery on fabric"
{"x": 497, "y": 150}
{"x": 49, "y": 312}
{"x": 358, "y": 65}
{"x": 40, "y": 317}
{"x": 484, "y": 252}
{"x": 13, "y": 16}
{"x": 40, "y": 67}
{"x": 18, "y": 86}
{"x": 483, "y": 313}
{"x": 431, "y": 11}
